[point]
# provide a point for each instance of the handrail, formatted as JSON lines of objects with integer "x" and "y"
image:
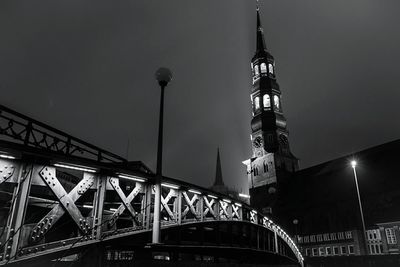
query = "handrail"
{"x": 31, "y": 132}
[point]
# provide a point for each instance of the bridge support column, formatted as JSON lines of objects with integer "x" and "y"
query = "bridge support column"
{"x": 276, "y": 240}
{"x": 18, "y": 211}
{"x": 146, "y": 207}
{"x": 179, "y": 207}
{"x": 201, "y": 204}
{"x": 99, "y": 206}
{"x": 157, "y": 211}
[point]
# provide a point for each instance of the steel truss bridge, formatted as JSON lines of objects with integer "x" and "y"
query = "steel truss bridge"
{"x": 60, "y": 195}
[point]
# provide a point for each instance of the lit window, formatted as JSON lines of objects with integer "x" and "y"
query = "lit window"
{"x": 256, "y": 72}
{"x": 321, "y": 251}
{"x": 333, "y": 236}
{"x": 343, "y": 250}
{"x": 351, "y": 249}
{"x": 390, "y": 236}
{"x": 306, "y": 239}
{"x": 263, "y": 68}
{"x": 349, "y": 234}
{"x": 326, "y": 237}
{"x": 256, "y": 103}
{"x": 270, "y": 68}
{"x": 314, "y": 252}
{"x": 319, "y": 238}
{"x": 266, "y": 101}
{"x": 328, "y": 251}
{"x": 335, "y": 250}
{"x": 276, "y": 101}
{"x": 340, "y": 235}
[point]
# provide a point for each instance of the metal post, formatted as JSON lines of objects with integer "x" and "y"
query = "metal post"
{"x": 147, "y": 206}
{"x": 157, "y": 186}
{"x": 276, "y": 240}
{"x": 361, "y": 211}
{"x": 179, "y": 208}
{"x": 18, "y": 211}
{"x": 99, "y": 205}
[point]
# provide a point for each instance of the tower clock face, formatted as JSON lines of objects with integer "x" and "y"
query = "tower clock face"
{"x": 258, "y": 142}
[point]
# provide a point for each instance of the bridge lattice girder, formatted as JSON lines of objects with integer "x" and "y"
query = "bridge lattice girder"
{"x": 47, "y": 208}
{"x": 97, "y": 207}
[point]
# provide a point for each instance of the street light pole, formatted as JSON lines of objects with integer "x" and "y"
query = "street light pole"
{"x": 163, "y": 76}
{"x": 353, "y": 165}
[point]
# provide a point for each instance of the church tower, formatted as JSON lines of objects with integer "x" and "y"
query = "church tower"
{"x": 272, "y": 161}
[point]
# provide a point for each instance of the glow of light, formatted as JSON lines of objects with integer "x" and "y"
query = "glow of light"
{"x": 254, "y": 211}
{"x": 88, "y": 207}
{"x": 194, "y": 191}
{"x": 238, "y": 204}
{"x": 113, "y": 209}
{"x": 4, "y": 156}
{"x": 353, "y": 163}
{"x": 133, "y": 178}
{"x": 243, "y": 195}
{"x": 226, "y": 200}
{"x": 170, "y": 186}
{"x": 73, "y": 167}
{"x": 211, "y": 196}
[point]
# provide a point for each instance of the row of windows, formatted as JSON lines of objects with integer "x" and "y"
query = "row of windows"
{"x": 325, "y": 237}
{"x": 266, "y": 102}
{"x": 375, "y": 249}
{"x": 330, "y": 251}
{"x": 374, "y": 234}
{"x": 262, "y": 68}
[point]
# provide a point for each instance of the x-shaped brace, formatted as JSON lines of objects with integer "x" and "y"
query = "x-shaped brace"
{"x": 209, "y": 209}
{"x": 253, "y": 216}
{"x": 126, "y": 202}
{"x": 223, "y": 209}
{"x": 190, "y": 205}
{"x": 164, "y": 202}
{"x": 66, "y": 203}
{"x": 235, "y": 211}
{"x": 267, "y": 223}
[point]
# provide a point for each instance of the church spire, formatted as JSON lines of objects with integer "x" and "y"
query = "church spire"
{"x": 261, "y": 47}
{"x": 218, "y": 172}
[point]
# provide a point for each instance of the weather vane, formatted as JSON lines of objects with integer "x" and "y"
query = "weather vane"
{"x": 257, "y": 5}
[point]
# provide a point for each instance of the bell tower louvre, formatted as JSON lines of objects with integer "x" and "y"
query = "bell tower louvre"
{"x": 272, "y": 162}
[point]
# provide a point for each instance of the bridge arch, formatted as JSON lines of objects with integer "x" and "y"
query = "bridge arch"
{"x": 56, "y": 203}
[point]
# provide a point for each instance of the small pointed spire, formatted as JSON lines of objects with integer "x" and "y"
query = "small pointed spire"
{"x": 261, "y": 47}
{"x": 218, "y": 172}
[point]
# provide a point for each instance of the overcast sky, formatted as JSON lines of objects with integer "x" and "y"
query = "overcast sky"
{"x": 87, "y": 67}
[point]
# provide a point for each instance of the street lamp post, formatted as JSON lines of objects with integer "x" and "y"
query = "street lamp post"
{"x": 353, "y": 165}
{"x": 163, "y": 76}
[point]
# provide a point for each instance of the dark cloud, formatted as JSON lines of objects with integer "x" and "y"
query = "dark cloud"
{"x": 87, "y": 67}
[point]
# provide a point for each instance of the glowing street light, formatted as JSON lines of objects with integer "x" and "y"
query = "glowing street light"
{"x": 163, "y": 77}
{"x": 353, "y": 164}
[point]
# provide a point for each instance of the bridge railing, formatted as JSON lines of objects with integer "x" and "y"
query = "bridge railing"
{"x": 58, "y": 205}
{"x": 22, "y": 129}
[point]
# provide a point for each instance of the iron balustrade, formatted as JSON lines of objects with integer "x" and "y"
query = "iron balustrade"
{"x": 18, "y": 128}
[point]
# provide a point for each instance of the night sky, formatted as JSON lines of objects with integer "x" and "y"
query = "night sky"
{"x": 87, "y": 67}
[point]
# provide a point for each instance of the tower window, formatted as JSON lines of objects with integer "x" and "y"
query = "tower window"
{"x": 263, "y": 67}
{"x": 276, "y": 102}
{"x": 257, "y": 103}
{"x": 256, "y": 71}
{"x": 266, "y": 101}
{"x": 270, "y": 68}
